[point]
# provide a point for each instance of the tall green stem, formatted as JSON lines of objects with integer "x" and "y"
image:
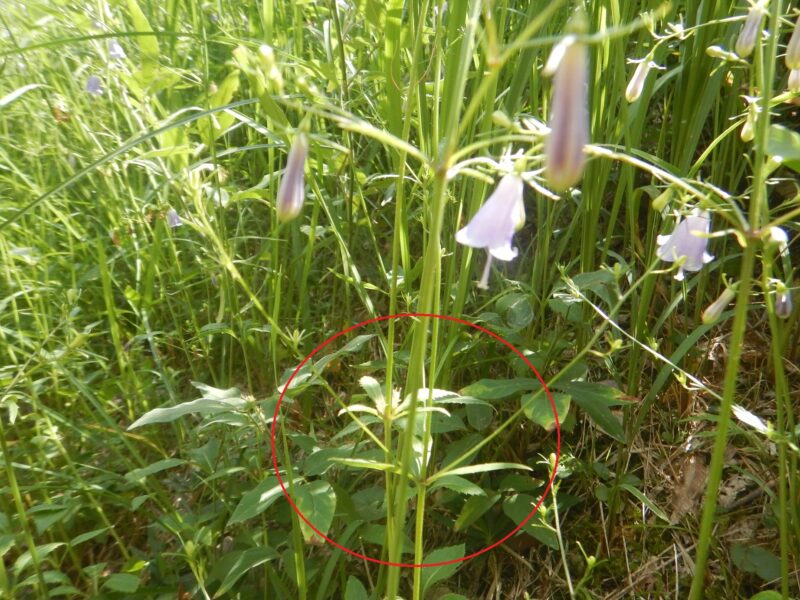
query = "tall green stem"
{"x": 764, "y": 63}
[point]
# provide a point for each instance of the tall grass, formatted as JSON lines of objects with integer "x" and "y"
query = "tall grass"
{"x": 143, "y": 357}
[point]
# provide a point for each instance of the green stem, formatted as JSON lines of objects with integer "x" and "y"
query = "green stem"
{"x": 764, "y": 62}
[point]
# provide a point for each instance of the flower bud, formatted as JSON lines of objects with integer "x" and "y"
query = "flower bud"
{"x": 291, "y": 192}
{"x": 721, "y": 53}
{"x": 779, "y": 238}
{"x": 661, "y": 201}
{"x": 793, "y": 48}
{"x": 636, "y": 84}
{"x": 794, "y": 80}
{"x": 569, "y": 117}
{"x": 783, "y": 304}
{"x": 783, "y": 300}
{"x": 715, "y": 309}
{"x": 751, "y": 31}
{"x": 748, "y": 129}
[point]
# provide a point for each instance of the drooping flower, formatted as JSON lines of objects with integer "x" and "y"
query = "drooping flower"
{"x": 636, "y": 84}
{"x": 688, "y": 242}
{"x": 794, "y": 80}
{"x": 291, "y": 192}
{"x": 93, "y": 86}
{"x": 751, "y": 30}
{"x": 173, "y": 218}
{"x": 783, "y": 304}
{"x": 569, "y": 114}
{"x": 494, "y": 224}
{"x": 792, "y": 57}
{"x": 115, "y": 51}
{"x": 715, "y": 309}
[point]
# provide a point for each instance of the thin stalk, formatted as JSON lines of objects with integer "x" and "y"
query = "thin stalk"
{"x": 764, "y": 62}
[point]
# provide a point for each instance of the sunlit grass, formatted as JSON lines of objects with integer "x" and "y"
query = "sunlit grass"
{"x": 156, "y": 294}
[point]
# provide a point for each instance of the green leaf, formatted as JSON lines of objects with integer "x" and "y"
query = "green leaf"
{"x": 236, "y": 564}
{"x": 474, "y": 508}
{"x": 139, "y": 475}
{"x": 479, "y": 416}
{"x": 85, "y": 537}
{"x": 127, "y": 583}
{"x": 596, "y": 399}
{"x": 257, "y": 500}
{"x": 481, "y": 468}
{"x": 317, "y": 501}
{"x": 355, "y": 590}
{"x": 458, "y": 484}
{"x": 9, "y": 98}
{"x": 785, "y": 143}
{"x": 366, "y": 463}
{"x": 767, "y": 595}
{"x": 754, "y": 559}
{"x": 432, "y": 575}
{"x": 214, "y": 401}
{"x": 537, "y": 408}
{"x": 495, "y": 389}
{"x": 518, "y": 506}
{"x": 517, "y": 309}
{"x": 148, "y": 44}
{"x": 646, "y": 501}
{"x": 42, "y": 552}
{"x": 374, "y": 391}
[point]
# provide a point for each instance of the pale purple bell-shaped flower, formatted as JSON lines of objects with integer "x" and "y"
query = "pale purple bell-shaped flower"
{"x": 569, "y": 114}
{"x": 291, "y": 192}
{"x": 687, "y": 241}
{"x": 794, "y": 80}
{"x": 115, "y": 50}
{"x": 494, "y": 224}
{"x": 94, "y": 86}
{"x": 792, "y": 57}
{"x": 751, "y": 31}
{"x": 783, "y": 304}
{"x": 173, "y": 218}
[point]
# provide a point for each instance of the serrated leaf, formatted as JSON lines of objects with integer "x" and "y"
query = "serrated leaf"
{"x": 317, "y": 502}
{"x": 432, "y": 575}
{"x": 236, "y": 564}
{"x": 595, "y": 399}
{"x": 457, "y": 484}
{"x": 537, "y": 408}
{"x": 257, "y": 500}
{"x": 495, "y": 389}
